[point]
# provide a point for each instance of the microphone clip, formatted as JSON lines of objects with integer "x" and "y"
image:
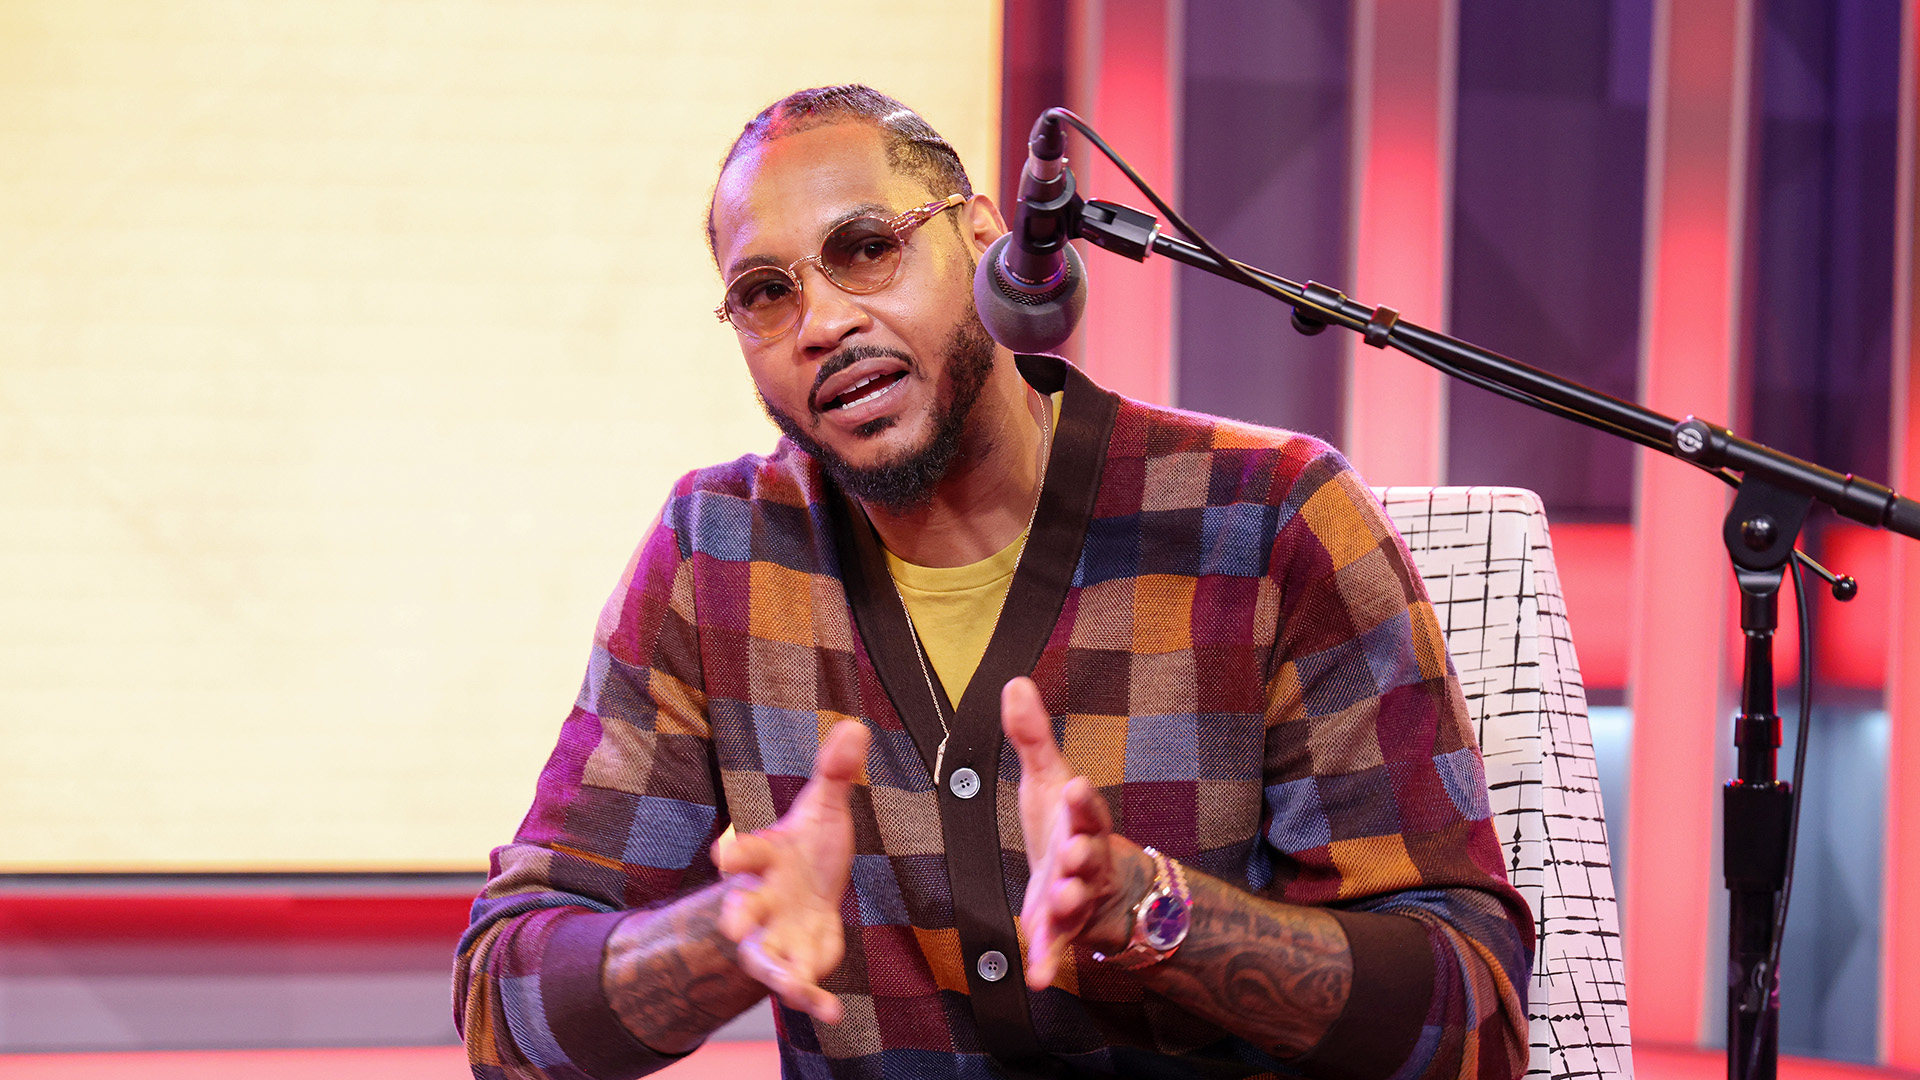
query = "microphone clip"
{"x": 1117, "y": 228}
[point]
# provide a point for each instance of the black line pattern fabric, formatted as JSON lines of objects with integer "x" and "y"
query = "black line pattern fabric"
{"x": 1488, "y": 563}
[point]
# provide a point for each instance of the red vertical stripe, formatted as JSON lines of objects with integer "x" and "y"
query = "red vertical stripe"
{"x": 229, "y": 917}
{"x": 1595, "y": 562}
{"x": 1403, "y": 168}
{"x": 1900, "y": 915}
{"x": 1695, "y": 173}
{"x": 1850, "y": 640}
{"x": 1128, "y": 81}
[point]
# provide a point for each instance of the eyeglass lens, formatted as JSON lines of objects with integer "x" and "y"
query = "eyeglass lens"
{"x": 859, "y": 256}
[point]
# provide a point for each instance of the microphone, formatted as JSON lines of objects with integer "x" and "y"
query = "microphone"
{"x": 1031, "y": 287}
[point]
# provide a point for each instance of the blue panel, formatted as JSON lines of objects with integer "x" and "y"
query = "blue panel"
{"x": 717, "y": 525}
{"x": 1163, "y": 748}
{"x": 668, "y": 833}
{"x": 1299, "y": 823}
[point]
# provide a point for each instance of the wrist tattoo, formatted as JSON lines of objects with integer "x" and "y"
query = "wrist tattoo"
{"x": 672, "y": 977}
{"x": 1275, "y": 974}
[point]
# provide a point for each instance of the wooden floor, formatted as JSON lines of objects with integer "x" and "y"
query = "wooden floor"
{"x": 717, "y": 1061}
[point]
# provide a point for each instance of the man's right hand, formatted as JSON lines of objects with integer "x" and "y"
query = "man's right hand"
{"x": 784, "y": 883}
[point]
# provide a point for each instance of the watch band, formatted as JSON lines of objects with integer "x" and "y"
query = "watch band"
{"x": 1160, "y": 919}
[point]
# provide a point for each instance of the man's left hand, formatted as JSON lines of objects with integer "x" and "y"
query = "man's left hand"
{"x": 1083, "y": 877}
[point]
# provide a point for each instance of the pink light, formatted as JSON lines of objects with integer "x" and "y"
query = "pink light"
{"x": 1850, "y": 640}
{"x": 1395, "y": 431}
{"x": 1129, "y": 320}
{"x": 1595, "y": 562}
{"x": 1696, "y": 152}
{"x": 1900, "y": 909}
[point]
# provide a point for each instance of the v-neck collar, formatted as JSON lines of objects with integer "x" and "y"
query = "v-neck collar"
{"x": 1034, "y": 599}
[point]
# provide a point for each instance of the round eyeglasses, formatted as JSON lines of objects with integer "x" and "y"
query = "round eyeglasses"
{"x": 862, "y": 255}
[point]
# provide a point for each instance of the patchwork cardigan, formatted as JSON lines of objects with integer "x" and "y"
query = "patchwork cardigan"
{"x": 1234, "y": 648}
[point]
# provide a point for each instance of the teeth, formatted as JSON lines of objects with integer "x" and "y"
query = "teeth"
{"x": 846, "y": 397}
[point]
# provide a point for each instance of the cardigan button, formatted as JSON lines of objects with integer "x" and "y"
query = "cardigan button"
{"x": 992, "y": 966}
{"x": 966, "y": 784}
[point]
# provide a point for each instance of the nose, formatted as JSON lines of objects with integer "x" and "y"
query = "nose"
{"x": 828, "y": 314}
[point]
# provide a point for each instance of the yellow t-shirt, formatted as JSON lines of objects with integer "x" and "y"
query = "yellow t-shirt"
{"x": 954, "y": 608}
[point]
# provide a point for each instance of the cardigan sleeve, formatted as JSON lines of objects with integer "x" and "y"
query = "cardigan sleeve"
{"x": 622, "y": 817}
{"x": 1377, "y": 800}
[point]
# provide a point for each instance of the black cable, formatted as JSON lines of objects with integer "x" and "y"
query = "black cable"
{"x": 1238, "y": 272}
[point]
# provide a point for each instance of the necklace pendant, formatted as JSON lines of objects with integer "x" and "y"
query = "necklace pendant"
{"x": 939, "y": 762}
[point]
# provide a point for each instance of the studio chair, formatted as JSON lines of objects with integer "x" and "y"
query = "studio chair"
{"x": 1487, "y": 560}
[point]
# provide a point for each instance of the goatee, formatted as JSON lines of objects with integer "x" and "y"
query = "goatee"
{"x": 906, "y": 482}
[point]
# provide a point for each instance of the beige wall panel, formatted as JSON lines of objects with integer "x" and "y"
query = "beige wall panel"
{"x": 346, "y": 350}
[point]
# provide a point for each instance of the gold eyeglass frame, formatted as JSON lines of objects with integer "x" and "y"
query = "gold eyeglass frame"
{"x": 901, "y": 225}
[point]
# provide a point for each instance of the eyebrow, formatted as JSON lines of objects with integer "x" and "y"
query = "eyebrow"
{"x": 748, "y": 262}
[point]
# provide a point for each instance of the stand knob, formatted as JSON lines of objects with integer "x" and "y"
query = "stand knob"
{"x": 1845, "y": 587}
{"x": 1757, "y": 533}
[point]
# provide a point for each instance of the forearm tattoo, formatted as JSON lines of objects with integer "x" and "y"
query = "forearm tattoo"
{"x": 1275, "y": 974}
{"x": 672, "y": 977}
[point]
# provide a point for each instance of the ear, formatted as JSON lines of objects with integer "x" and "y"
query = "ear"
{"x": 982, "y": 223}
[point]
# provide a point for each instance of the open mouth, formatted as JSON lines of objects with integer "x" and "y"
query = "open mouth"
{"x": 867, "y": 388}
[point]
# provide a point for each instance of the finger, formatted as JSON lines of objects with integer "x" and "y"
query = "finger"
{"x": 1050, "y": 921}
{"x": 1060, "y": 830}
{"x": 1087, "y": 812}
{"x": 819, "y": 1004}
{"x": 743, "y": 854}
{"x": 1034, "y": 915}
{"x": 1055, "y": 913}
{"x": 843, "y": 752}
{"x": 1069, "y": 907}
{"x": 835, "y": 768}
{"x": 722, "y": 844}
{"x": 1041, "y": 962}
{"x": 1024, "y": 718}
{"x": 1047, "y": 948}
{"x": 793, "y": 991}
{"x": 1059, "y": 913}
{"x": 743, "y": 910}
{"x": 1078, "y": 856}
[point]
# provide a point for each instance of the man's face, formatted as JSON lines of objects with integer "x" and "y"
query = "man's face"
{"x": 877, "y": 386}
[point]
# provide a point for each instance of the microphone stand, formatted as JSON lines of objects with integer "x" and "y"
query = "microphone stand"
{"x": 1774, "y": 493}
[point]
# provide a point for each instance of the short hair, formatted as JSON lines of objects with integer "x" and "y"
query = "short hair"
{"x": 913, "y": 146}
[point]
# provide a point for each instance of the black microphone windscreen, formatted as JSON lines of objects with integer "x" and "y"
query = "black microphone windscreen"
{"x": 1027, "y": 323}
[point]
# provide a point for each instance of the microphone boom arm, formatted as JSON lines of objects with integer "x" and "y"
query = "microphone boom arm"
{"x": 1126, "y": 231}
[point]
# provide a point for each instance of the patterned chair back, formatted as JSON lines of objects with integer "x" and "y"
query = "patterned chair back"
{"x": 1488, "y": 563}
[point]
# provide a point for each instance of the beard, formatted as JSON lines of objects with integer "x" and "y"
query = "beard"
{"x": 907, "y": 481}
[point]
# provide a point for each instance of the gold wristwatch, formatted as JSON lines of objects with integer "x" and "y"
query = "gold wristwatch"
{"x": 1160, "y": 920}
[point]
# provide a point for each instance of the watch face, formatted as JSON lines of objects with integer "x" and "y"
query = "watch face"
{"x": 1165, "y": 921}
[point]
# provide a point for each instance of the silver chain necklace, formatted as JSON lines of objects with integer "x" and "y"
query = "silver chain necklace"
{"x": 919, "y": 651}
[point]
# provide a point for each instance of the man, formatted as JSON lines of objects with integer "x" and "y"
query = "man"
{"x": 1237, "y": 804}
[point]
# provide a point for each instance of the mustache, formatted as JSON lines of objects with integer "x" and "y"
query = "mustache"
{"x": 850, "y": 356}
